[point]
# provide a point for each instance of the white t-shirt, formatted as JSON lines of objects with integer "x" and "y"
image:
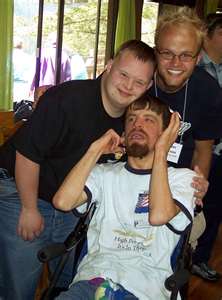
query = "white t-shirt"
{"x": 122, "y": 245}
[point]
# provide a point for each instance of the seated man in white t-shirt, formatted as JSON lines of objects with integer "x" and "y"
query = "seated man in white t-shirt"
{"x": 142, "y": 207}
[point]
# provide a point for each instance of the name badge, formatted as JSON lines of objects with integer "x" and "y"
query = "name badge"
{"x": 174, "y": 152}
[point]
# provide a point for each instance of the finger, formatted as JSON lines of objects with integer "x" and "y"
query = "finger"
{"x": 199, "y": 202}
{"x": 199, "y": 194}
{"x": 24, "y": 235}
{"x": 38, "y": 232}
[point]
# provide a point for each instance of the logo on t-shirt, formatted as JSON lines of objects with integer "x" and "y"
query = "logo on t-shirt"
{"x": 142, "y": 205}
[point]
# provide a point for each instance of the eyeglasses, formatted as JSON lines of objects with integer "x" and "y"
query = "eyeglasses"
{"x": 168, "y": 55}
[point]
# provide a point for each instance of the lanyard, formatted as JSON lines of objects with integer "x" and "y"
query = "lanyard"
{"x": 184, "y": 103}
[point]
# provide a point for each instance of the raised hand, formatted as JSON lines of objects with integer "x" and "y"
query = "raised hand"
{"x": 110, "y": 142}
{"x": 169, "y": 135}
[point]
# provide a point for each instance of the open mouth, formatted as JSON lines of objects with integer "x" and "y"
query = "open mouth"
{"x": 136, "y": 135}
{"x": 174, "y": 72}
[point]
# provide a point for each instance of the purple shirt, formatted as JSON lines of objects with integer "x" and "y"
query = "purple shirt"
{"x": 47, "y": 68}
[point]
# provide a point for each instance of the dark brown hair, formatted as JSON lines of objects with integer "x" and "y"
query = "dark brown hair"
{"x": 213, "y": 21}
{"x": 155, "y": 104}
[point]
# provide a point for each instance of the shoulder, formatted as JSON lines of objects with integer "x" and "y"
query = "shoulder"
{"x": 71, "y": 93}
{"x": 182, "y": 174}
{"x": 203, "y": 81}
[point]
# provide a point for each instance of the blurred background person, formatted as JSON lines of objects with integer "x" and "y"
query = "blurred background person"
{"x": 47, "y": 65}
{"x": 78, "y": 67}
{"x": 211, "y": 61}
{"x": 23, "y": 65}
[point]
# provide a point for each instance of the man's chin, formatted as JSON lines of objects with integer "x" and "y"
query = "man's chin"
{"x": 137, "y": 150}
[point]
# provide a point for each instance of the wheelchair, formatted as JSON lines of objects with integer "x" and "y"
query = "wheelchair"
{"x": 180, "y": 258}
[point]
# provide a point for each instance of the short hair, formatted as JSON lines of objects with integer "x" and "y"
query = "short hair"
{"x": 147, "y": 101}
{"x": 212, "y": 22}
{"x": 183, "y": 15}
{"x": 141, "y": 50}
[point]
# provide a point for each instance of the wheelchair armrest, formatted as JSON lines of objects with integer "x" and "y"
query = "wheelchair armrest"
{"x": 51, "y": 251}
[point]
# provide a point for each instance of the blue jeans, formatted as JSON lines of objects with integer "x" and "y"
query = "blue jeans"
{"x": 19, "y": 266}
{"x": 83, "y": 290}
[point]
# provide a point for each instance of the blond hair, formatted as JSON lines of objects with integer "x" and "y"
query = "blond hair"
{"x": 182, "y": 16}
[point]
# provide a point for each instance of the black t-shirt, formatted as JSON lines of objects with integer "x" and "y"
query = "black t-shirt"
{"x": 68, "y": 118}
{"x": 203, "y": 111}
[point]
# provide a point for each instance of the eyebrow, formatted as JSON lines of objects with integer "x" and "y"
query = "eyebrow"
{"x": 147, "y": 114}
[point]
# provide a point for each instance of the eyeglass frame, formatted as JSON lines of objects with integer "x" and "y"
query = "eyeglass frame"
{"x": 188, "y": 57}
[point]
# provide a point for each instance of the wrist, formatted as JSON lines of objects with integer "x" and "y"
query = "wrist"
{"x": 160, "y": 155}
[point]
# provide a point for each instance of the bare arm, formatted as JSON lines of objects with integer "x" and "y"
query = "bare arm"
{"x": 162, "y": 206}
{"x": 201, "y": 162}
{"x": 31, "y": 222}
{"x": 202, "y": 156}
{"x": 71, "y": 193}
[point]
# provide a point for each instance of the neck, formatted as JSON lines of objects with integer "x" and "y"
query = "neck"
{"x": 111, "y": 110}
{"x": 142, "y": 163}
{"x": 213, "y": 54}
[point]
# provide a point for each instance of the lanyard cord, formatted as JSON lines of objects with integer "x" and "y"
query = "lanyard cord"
{"x": 184, "y": 104}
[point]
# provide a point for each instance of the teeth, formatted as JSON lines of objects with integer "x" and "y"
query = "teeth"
{"x": 175, "y": 72}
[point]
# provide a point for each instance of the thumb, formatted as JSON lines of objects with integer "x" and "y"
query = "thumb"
{"x": 198, "y": 171}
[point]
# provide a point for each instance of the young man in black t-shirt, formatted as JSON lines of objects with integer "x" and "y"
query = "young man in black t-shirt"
{"x": 65, "y": 122}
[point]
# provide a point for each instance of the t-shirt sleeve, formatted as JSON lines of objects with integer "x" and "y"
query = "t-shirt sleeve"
{"x": 183, "y": 194}
{"x": 45, "y": 129}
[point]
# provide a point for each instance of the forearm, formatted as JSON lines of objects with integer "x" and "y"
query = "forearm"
{"x": 162, "y": 206}
{"x": 27, "y": 181}
{"x": 202, "y": 156}
{"x": 70, "y": 193}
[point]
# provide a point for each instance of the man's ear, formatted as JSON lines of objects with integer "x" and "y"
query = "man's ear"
{"x": 150, "y": 84}
{"x": 109, "y": 65}
{"x": 199, "y": 57}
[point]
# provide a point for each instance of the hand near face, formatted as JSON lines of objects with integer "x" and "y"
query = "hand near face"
{"x": 110, "y": 142}
{"x": 169, "y": 135}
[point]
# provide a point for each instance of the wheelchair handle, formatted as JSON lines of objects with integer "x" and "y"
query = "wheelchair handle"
{"x": 177, "y": 280}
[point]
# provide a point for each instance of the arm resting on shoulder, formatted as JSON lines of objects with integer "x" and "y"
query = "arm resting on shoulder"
{"x": 202, "y": 156}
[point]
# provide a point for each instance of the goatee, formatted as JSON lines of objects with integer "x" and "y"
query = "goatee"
{"x": 137, "y": 150}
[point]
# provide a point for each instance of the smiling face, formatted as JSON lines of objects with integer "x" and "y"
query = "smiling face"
{"x": 142, "y": 129}
{"x": 173, "y": 73}
{"x": 126, "y": 78}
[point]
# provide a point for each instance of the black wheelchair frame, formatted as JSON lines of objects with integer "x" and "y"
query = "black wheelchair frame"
{"x": 175, "y": 283}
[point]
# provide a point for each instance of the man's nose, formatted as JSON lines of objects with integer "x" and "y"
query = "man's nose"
{"x": 129, "y": 84}
{"x": 138, "y": 123}
{"x": 175, "y": 60}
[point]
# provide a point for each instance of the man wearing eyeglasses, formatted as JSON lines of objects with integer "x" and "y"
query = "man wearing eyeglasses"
{"x": 187, "y": 89}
